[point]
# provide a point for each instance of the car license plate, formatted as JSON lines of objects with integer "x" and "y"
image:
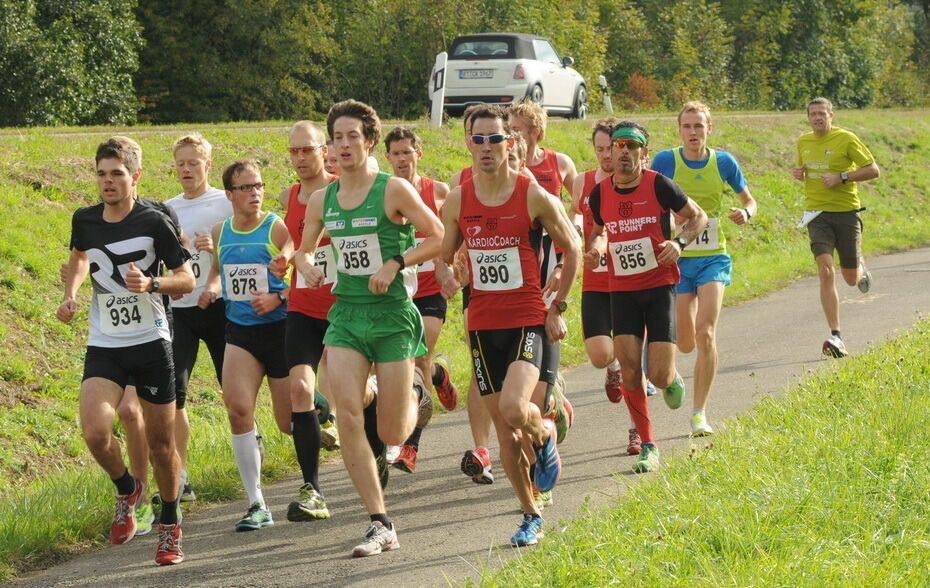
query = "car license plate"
{"x": 474, "y": 74}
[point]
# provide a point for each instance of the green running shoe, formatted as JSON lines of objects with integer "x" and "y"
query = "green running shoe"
{"x": 309, "y": 505}
{"x": 145, "y": 517}
{"x": 674, "y": 395}
{"x": 648, "y": 459}
{"x": 543, "y": 499}
{"x": 699, "y": 426}
{"x": 255, "y": 518}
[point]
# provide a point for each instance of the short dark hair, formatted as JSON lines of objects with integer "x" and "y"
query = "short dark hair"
{"x": 820, "y": 100}
{"x": 399, "y": 134}
{"x": 603, "y": 125}
{"x": 492, "y": 112}
{"x": 466, "y": 116}
{"x": 629, "y": 124}
{"x": 371, "y": 124}
{"x": 122, "y": 148}
{"x": 236, "y": 167}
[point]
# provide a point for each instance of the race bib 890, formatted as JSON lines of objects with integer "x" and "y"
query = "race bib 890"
{"x": 496, "y": 269}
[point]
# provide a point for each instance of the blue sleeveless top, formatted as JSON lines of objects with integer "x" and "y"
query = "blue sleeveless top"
{"x": 244, "y": 259}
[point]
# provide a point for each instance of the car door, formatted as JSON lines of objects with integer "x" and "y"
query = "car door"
{"x": 558, "y": 85}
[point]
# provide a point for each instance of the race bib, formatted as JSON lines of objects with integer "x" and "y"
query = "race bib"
{"x": 125, "y": 312}
{"x": 708, "y": 239}
{"x": 426, "y": 266}
{"x": 359, "y": 255}
{"x": 323, "y": 258}
{"x": 496, "y": 270}
{"x": 242, "y": 278}
{"x": 200, "y": 266}
{"x": 632, "y": 257}
{"x": 602, "y": 265}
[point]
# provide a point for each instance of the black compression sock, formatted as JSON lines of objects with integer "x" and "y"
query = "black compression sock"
{"x": 125, "y": 484}
{"x": 306, "y": 432}
{"x": 438, "y": 373}
{"x": 836, "y": 334}
{"x": 169, "y": 513}
{"x": 371, "y": 427}
{"x": 382, "y": 518}
{"x": 414, "y": 438}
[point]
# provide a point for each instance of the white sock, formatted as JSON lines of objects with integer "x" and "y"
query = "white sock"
{"x": 248, "y": 460}
{"x": 615, "y": 366}
{"x": 632, "y": 425}
{"x": 697, "y": 411}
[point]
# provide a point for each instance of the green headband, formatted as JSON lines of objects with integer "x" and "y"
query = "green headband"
{"x": 630, "y": 133}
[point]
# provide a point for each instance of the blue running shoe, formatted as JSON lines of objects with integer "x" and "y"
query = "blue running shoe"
{"x": 529, "y": 533}
{"x": 548, "y": 465}
{"x": 651, "y": 390}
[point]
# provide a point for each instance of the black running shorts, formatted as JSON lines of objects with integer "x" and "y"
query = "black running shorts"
{"x": 191, "y": 326}
{"x": 147, "y": 366}
{"x": 595, "y": 314}
{"x": 265, "y": 342}
{"x": 304, "y": 340}
{"x": 653, "y": 309}
{"x": 493, "y": 350}
{"x": 432, "y": 305}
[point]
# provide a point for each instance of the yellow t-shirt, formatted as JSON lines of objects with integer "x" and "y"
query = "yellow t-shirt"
{"x": 837, "y": 151}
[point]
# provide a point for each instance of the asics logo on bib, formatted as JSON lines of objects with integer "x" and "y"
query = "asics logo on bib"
{"x": 243, "y": 271}
{"x": 630, "y": 225}
{"x": 122, "y": 300}
{"x": 486, "y": 258}
{"x": 493, "y": 241}
{"x": 628, "y": 247}
{"x": 360, "y": 244}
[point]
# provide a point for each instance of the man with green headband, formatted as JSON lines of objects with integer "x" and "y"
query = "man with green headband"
{"x": 633, "y": 206}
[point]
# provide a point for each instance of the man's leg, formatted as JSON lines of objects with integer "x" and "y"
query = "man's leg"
{"x": 829, "y": 299}
{"x": 98, "y": 401}
{"x": 137, "y": 448}
{"x": 710, "y": 300}
{"x": 159, "y": 432}
{"x": 407, "y": 459}
{"x": 509, "y": 437}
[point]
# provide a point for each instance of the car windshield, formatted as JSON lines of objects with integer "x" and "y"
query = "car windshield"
{"x": 483, "y": 49}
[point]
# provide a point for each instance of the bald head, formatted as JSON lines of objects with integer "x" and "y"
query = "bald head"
{"x": 306, "y": 129}
{"x": 307, "y": 146}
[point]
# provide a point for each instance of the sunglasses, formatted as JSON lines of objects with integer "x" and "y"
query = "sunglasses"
{"x": 628, "y": 143}
{"x": 248, "y": 187}
{"x": 306, "y": 149}
{"x": 492, "y": 139}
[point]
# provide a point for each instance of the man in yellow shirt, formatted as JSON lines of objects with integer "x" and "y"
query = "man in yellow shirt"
{"x": 831, "y": 162}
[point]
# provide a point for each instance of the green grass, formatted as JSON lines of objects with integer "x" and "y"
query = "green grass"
{"x": 826, "y": 485}
{"x": 45, "y": 174}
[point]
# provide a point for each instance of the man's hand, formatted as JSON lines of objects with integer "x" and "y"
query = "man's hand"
{"x": 555, "y": 325}
{"x": 830, "y": 180}
{"x": 669, "y": 252}
{"x": 264, "y": 302}
{"x": 381, "y": 280}
{"x": 592, "y": 258}
{"x": 799, "y": 172}
{"x": 278, "y": 266}
{"x": 136, "y": 281}
{"x": 206, "y": 299}
{"x": 553, "y": 283}
{"x": 739, "y": 216}
{"x": 203, "y": 242}
{"x": 313, "y": 275}
{"x": 66, "y": 310}
{"x": 445, "y": 277}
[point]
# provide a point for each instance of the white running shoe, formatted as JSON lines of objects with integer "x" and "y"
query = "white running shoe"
{"x": 834, "y": 347}
{"x": 377, "y": 538}
{"x": 393, "y": 451}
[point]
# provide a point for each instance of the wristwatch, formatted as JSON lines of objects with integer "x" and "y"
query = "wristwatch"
{"x": 400, "y": 261}
{"x": 844, "y": 176}
{"x": 282, "y": 297}
{"x": 681, "y": 243}
{"x": 560, "y": 305}
{"x": 155, "y": 285}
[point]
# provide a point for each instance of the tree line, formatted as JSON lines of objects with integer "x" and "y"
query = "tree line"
{"x": 81, "y": 62}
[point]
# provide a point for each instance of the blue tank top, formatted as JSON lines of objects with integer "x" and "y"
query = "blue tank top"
{"x": 244, "y": 258}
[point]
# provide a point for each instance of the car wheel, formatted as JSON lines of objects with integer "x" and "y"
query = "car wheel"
{"x": 580, "y": 109}
{"x": 536, "y": 94}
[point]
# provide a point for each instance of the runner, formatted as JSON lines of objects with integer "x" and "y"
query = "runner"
{"x": 373, "y": 321}
{"x": 634, "y": 205}
{"x": 306, "y": 324}
{"x": 500, "y": 215}
{"x": 198, "y": 208}
{"x": 831, "y": 163}
{"x": 706, "y": 268}
{"x": 404, "y": 149}
{"x": 256, "y": 309}
{"x": 330, "y": 161}
{"x": 129, "y": 335}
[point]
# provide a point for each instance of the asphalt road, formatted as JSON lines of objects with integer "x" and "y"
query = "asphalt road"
{"x": 449, "y": 528}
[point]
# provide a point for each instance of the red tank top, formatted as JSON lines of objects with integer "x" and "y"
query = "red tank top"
{"x": 311, "y": 302}
{"x": 634, "y": 224}
{"x": 465, "y": 175}
{"x": 426, "y": 272}
{"x": 547, "y": 173}
{"x": 592, "y": 280}
{"x": 503, "y": 250}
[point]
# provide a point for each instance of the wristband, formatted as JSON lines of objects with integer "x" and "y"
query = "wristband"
{"x": 282, "y": 297}
{"x": 559, "y": 265}
{"x": 400, "y": 261}
{"x": 748, "y": 215}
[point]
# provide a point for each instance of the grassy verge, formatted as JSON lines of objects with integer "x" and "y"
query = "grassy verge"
{"x": 826, "y": 485}
{"x": 44, "y": 176}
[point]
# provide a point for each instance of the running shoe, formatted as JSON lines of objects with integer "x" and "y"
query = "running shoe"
{"x": 651, "y": 390}
{"x": 261, "y": 446}
{"x": 145, "y": 518}
{"x": 865, "y": 282}
{"x": 635, "y": 444}
{"x": 529, "y": 533}
{"x": 445, "y": 391}
{"x": 392, "y": 453}
{"x": 613, "y": 385}
{"x": 564, "y": 415}
{"x": 124, "y": 524}
{"x": 674, "y": 395}
{"x": 542, "y": 499}
{"x": 407, "y": 460}
{"x": 548, "y": 465}
{"x": 187, "y": 493}
{"x": 834, "y": 347}
{"x": 424, "y": 399}
{"x": 476, "y": 464}
{"x": 255, "y": 518}
{"x": 384, "y": 468}
{"x": 309, "y": 505}
{"x": 329, "y": 435}
{"x": 169, "y": 551}
{"x": 699, "y": 426}
{"x": 377, "y": 538}
{"x": 648, "y": 460}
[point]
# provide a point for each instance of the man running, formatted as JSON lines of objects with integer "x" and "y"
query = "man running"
{"x": 831, "y": 163}
{"x": 129, "y": 335}
{"x": 706, "y": 268}
{"x": 499, "y": 216}
{"x": 198, "y": 208}
{"x": 634, "y": 205}
{"x": 306, "y": 322}
{"x": 256, "y": 309}
{"x": 404, "y": 149}
{"x": 371, "y": 218}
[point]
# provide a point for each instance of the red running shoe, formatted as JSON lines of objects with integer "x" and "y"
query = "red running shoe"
{"x": 169, "y": 545}
{"x": 612, "y": 386}
{"x": 445, "y": 391}
{"x": 477, "y": 464}
{"x": 635, "y": 443}
{"x": 407, "y": 459}
{"x": 123, "y": 527}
